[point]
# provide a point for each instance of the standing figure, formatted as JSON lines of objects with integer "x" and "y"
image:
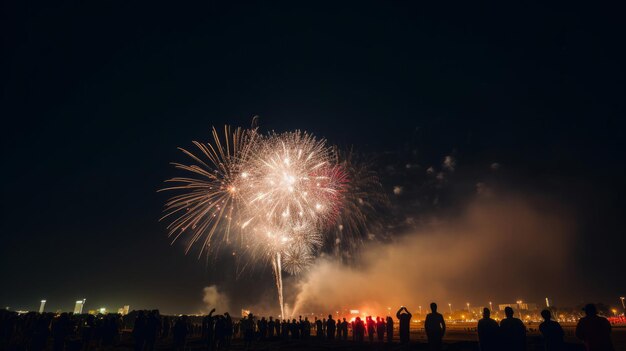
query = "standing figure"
{"x": 262, "y": 328}
{"x": 285, "y": 329}
{"x": 512, "y": 332}
{"x": 488, "y": 332}
{"x": 371, "y": 327}
{"x": 404, "y": 316}
{"x": 594, "y": 331}
{"x": 167, "y": 326}
{"x": 139, "y": 331}
{"x": 295, "y": 329}
{"x": 435, "y": 327}
{"x": 318, "y": 328}
{"x": 344, "y": 329}
{"x": 180, "y": 331}
{"x": 228, "y": 330}
{"x": 330, "y": 327}
{"x": 552, "y": 332}
{"x": 270, "y": 328}
{"x": 389, "y": 326}
{"x": 380, "y": 329}
{"x": 277, "y": 325}
{"x": 220, "y": 332}
{"x": 353, "y": 327}
{"x": 208, "y": 331}
{"x": 359, "y": 330}
{"x": 306, "y": 328}
{"x": 152, "y": 329}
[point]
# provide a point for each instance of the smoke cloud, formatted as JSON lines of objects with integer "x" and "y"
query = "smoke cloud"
{"x": 213, "y": 298}
{"x": 496, "y": 250}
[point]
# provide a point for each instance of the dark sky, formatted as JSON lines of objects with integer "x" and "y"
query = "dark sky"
{"x": 97, "y": 95}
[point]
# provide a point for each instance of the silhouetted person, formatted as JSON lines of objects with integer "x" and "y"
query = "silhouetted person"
{"x": 285, "y": 329}
{"x": 220, "y": 332}
{"x": 512, "y": 332}
{"x": 359, "y": 329}
{"x": 208, "y": 330}
{"x": 139, "y": 331}
{"x": 277, "y": 327}
{"x": 380, "y": 329}
{"x": 152, "y": 326}
{"x": 389, "y": 326}
{"x": 295, "y": 329}
{"x": 301, "y": 327}
{"x": 247, "y": 328}
{"x": 344, "y": 330}
{"x": 41, "y": 333}
{"x": 167, "y": 326}
{"x": 319, "y": 332}
{"x": 552, "y": 332}
{"x": 352, "y": 329}
{"x": 263, "y": 328}
{"x": 330, "y": 327}
{"x": 371, "y": 327}
{"x": 435, "y": 327}
{"x": 88, "y": 331}
{"x": 236, "y": 327}
{"x": 594, "y": 331}
{"x": 405, "y": 323}
{"x": 306, "y": 328}
{"x": 271, "y": 327}
{"x": 228, "y": 330}
{"x": 180, "y": 331}
{"x": 60, "y": 331}
{"x": 368, "y": 328}
{"x": 110, "y": 332}
{"x": 488, "y": 332}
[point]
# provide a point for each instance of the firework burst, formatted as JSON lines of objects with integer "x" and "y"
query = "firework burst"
{"x": 297, "y": 259}
{"x": 291, "y": 180}
{"x": 362, "y": 199}
{"x": 207, "y": 197}
{"x": 281, "y": 192}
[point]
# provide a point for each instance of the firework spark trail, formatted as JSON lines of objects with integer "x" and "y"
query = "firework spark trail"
{"x": 278, "y": 276}
{"x": 280, "y": 191}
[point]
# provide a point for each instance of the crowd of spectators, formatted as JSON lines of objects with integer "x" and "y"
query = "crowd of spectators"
{"x": 144, "y": 330}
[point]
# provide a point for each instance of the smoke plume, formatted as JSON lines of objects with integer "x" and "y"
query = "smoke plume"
{"x": 213, "y": 298}
{"x": 496, "y": 250}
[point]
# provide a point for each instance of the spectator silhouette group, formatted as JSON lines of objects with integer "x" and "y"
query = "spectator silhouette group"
{"x": 148, "y": 330}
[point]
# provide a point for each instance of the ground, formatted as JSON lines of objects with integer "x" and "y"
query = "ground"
{"x": 457, "y": 338}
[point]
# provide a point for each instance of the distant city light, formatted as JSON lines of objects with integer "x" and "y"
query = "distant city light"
{"x": 78, "y": 307}
{"x": 123, "y": 310}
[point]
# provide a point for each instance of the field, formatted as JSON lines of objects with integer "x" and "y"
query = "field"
{"x": 459, "y": 337}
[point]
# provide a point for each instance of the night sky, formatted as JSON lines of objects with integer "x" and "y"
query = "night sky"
{"x": 97, "y": 95}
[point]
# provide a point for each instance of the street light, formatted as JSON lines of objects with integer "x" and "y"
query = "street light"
{"x": 468, "y": 309}
{"x": 420, "y": 310}
{"x": 622, "y": 298}
{"x": 450, "y": 306}
{"x": 490, "y": 306}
